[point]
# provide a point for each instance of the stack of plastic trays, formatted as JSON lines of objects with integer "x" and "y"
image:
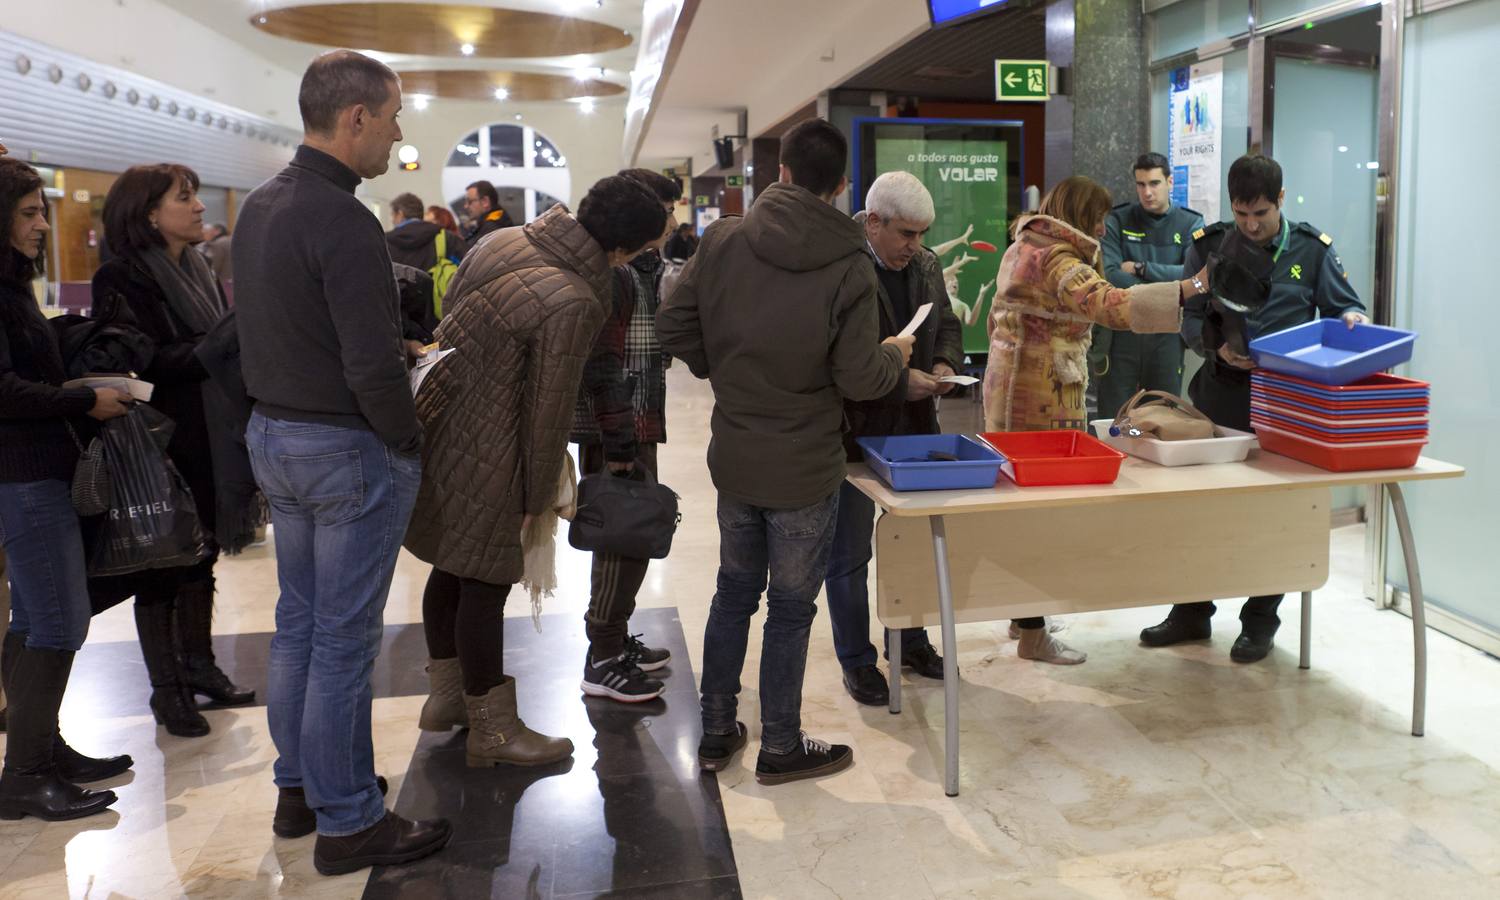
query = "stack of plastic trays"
{"x": 1378, "y": 422}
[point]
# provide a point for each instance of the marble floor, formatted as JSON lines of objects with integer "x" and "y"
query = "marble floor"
{"x": 1163, "y": 773}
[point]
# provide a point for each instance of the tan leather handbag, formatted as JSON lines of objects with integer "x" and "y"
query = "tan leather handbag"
{"x": 1164, "y": 416}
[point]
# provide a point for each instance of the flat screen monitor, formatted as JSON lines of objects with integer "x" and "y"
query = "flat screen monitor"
{"x": 951, "y": 12}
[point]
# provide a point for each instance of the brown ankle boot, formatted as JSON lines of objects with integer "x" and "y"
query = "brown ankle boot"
{"x": 444, "y": 709}
{"x": 497, "y": 736}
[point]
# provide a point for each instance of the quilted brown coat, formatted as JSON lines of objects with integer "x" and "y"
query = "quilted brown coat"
{"x": 524, "y": 309}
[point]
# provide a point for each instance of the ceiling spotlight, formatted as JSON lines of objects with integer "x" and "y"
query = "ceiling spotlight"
{"x": 407, "y": 153}
{"x": 518, "y": 117}
{"x": 502, "y": 94}
{"x": 420, "y": 101}
{"x": 587, "y": 106}
{"x": 467, "y": 49}
{"x": 582, "y": 74}
{"x": 262, "y": 20}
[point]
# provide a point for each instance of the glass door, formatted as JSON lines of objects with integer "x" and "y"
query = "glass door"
{"x": 1323, "y": 99}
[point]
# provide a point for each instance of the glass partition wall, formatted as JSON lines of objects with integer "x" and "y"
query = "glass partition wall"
{"x": 1385, "y": 125}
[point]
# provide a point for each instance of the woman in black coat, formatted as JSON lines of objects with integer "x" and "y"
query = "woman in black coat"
{"x": 40, "y": 427}
{"x": 157, "y": 284}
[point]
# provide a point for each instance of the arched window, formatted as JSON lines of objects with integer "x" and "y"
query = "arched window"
{"x": 528, "y": 170}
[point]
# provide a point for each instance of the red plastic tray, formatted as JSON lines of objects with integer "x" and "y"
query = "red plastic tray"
{"x": 1415, "y": 420}
{"x": 1340, "y": 459}
{"x": 1419, "y": 434}
{"x": 1395, "y": 407}
{"x": 1377, "y": 382}
{"x": 1037, "y": 458}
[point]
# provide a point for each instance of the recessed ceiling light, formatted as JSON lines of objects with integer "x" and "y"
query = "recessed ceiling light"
{"x": 518, "y": 117}
{"x": 407, "y": 153}
{"x": 420, "y": 101}
{"x": 262, "y": 20}
{"x": 467, "y": 49}
{"x": 582, "y": 74}
{"x": 502, "y": 94}
{"x": 587, "y": 106}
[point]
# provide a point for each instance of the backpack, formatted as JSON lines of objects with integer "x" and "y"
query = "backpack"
{"x": 442, "y": 273}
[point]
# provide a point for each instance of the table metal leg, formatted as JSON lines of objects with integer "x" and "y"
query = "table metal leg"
{"x": 950, "y": 658}
{"x": 1418, "y": 612}
{"x": 893, "y": 639}
{"x": 1306, "y": 661}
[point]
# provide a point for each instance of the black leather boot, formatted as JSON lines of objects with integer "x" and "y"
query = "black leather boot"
{"x": 389, "y": 842}
{"x": 71, "y": 765}
{"x": 74, "y": 766}
{"x": 29, "y": 784}
{"x": 171, "y": 699}
{"x": 195, "y": 615}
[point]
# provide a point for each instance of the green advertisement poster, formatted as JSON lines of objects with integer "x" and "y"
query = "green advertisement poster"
{"x": 972, "y": 171}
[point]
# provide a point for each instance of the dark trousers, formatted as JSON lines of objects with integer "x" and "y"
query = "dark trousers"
{"x": 782, "y": 553}
{"x": 465, "y": 618}
{"x": 1257, "y": 616}
{"x": 1139, "y": 361}
{"x": 1222, "y": 393}
{"x": 848, "y": 583}
{"x": 615, "y": 580}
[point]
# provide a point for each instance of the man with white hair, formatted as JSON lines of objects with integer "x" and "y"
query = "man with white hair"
{"x": 898, "y": 212}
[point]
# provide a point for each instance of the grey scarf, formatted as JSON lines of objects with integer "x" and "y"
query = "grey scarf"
{"x": 191, "y": 288}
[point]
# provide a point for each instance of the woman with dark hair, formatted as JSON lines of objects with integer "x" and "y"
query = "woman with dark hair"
{"x": 41, "y": 426}
{"x": 1049, "y": 296}
{"x": 527, "y": 304}
{"x": 443, "y": 219}
{"x": 158, "y": 286}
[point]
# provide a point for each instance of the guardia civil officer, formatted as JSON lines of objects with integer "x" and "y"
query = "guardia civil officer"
{"x": 1145, "y": 242}
{"x": 1307, "y": 282}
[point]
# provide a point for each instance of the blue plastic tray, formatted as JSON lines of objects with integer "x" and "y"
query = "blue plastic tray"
{"x": 902, "y": 461}
{"x": 1342, "y": 429}
{"x": 1329, "y": 352}
{"x": 1334, "y": 396}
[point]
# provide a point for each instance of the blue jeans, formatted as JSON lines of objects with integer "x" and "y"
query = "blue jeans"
{"x": 792, "y": 545}
{"x": 49, "y": 591}
{"x": 340, "y": 500}
{"x": 849, "y": 584}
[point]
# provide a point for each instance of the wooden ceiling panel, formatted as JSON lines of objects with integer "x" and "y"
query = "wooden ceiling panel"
{"x": 521, "y": 86}
{"x": 440, "y": 29}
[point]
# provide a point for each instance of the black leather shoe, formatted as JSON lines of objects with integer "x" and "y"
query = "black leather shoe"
{"x": 294, "y": 818}
{"x": 79, "y": 769}
{"x": 210, "y": 681}
{"x": 49, "y": 798}
{"x": 1249, "y": 648}
{"x": 924, "y": 660}
{"x": 389, "y": 842}
{"x": 1175, "y": 631}
{"x": 866, "y": 685}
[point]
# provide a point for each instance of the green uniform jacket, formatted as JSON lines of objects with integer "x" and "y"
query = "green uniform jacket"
{"x": 1159, "y": 243}
{"x": 1308, "y": 282}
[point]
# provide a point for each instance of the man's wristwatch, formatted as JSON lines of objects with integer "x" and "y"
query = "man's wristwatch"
{"x": 1198, "y": 285}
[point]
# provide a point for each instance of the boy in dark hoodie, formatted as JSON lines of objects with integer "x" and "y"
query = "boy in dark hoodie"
{"x": 778, "y": 310}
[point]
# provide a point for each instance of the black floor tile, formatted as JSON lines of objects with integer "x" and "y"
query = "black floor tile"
{"x": 725, "y": 888}
{"x": 629, "y": 816}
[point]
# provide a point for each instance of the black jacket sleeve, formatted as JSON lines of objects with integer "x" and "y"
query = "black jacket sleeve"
{"x": 21, "y": 398}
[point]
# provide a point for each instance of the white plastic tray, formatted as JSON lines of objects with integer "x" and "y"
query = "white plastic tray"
{"x": 1227, "y": 446}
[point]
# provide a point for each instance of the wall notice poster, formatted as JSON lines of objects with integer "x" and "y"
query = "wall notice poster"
{"x": 973, "y": 171}
{"x": 1194, "y": 132}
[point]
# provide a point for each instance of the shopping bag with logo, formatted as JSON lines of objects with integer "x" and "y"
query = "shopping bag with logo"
{"x": 151, "y": 522}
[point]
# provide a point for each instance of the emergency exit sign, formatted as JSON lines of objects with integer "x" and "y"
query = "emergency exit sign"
{"x": 1022, "y": 79}
{"x": 735, "y": 181}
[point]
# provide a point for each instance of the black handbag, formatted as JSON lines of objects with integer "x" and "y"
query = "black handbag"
{"x": 627, "y": 516}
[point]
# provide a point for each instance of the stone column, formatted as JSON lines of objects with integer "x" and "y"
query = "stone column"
{"x": 1101, "y": 126}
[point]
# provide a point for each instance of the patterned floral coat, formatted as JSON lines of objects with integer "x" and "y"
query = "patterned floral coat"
{"x": 1047, "y": 300}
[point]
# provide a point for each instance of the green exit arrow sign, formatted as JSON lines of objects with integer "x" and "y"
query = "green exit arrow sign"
{"x": 1022, "y": 79}
{"x": 734, "y": 181}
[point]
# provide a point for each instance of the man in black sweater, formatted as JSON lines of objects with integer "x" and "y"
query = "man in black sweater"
{"x": 335, "y": 443}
